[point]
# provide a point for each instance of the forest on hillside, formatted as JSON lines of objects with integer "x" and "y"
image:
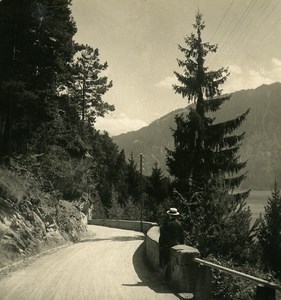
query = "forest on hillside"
{"x": 51, "y": 93}
{"x": 55, "y": 165}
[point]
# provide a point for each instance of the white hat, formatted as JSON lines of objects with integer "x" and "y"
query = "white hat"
{"x": 173, "y": 212}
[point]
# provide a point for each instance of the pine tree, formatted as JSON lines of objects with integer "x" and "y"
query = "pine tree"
{"x": 88, "y": 87}
{"x": 205, "y": 153}
{"x": 270, "y": 232}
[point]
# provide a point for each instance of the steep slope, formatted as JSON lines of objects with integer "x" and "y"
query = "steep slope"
{"x": 33, "y": 221}
{"x": 261, "y": 147}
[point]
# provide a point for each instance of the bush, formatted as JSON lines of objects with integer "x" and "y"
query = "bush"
{"x": 227, "y": 286}
{"x": 14, "y": 187}
{"x": 219, "y": 224}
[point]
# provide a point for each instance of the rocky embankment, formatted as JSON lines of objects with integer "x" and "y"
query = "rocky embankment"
{"x": 32, "y": 226}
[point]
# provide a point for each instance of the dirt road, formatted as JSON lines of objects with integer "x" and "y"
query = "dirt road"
{"x": 108, "y": 266}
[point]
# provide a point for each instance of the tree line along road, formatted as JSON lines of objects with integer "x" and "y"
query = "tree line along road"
{"x": 110, "y": 265}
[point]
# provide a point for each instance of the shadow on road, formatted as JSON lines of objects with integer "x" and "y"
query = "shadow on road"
{"x": 127, "y": 238}
{"x": 114, "y": 239}
{"x": 148, "y": 276}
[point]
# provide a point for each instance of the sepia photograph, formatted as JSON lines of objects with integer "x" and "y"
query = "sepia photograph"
{"x": 140, "y": 149}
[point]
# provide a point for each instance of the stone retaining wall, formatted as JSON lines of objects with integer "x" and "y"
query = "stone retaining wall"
{"x": 123, "y": 224}
{"x": 152, "y": 247}
{"x": 186, "y": 275}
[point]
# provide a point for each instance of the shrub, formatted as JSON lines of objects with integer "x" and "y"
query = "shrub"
{"x": 227, "y": 286}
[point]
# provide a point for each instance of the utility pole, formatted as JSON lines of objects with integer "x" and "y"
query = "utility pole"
{"x": 141, "y": 191}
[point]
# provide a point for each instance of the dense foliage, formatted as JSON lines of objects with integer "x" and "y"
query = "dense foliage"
{"x": 38, "y": 47}
{"x": 270, "y": 233}
{"x": 226, "y": 286}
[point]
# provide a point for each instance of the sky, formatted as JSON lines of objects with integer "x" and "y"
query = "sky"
{"x": 139, "y": 40}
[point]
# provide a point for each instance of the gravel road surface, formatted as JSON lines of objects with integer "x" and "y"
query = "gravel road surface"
{"x": 110, "y": 265}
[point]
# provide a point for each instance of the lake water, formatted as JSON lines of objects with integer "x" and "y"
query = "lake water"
{"x": 257, "y": 201}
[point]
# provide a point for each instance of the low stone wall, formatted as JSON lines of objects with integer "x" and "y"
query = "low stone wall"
{"x": 184, "y": 272}
{"x": 152, "y": 247}
{"x": 123, "y": 224}
{"x": 186, "y": 275}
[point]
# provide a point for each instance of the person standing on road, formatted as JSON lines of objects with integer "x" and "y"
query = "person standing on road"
{"x": 171, "y": 234}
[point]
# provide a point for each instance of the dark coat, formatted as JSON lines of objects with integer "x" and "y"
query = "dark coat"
{"x": 171, "y": 234}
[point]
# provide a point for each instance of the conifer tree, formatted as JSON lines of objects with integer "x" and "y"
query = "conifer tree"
{"x": 270, "y": 232}
{"x": 158, "y": 188}
{"x": 206, "y": 152}
{"x": 88, "y": 86}
{"x": 133, "y": 178}
{"x": 120, "y": 177}
{"x": 204, "y": 149}
{"x": 38, "y": 46}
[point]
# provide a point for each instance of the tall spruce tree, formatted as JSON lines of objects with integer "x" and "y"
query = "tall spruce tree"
{"x": 206, "y": 152}
{"x": 204, "y": 149}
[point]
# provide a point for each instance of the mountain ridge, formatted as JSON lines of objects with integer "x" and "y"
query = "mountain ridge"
{"x": 260, "y": 148}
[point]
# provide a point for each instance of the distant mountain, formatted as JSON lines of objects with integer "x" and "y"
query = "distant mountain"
{"x": 261, "y": 146}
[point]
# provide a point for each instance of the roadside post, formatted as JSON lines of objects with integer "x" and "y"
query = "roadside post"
{"x": 141, "y": 191}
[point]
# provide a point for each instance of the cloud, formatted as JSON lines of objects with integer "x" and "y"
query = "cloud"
{"x": 234, "y": 69}
{"x": 115, "y": 125}
{"x": 167, "y": 82}
{"x": 276, "y": 62}
{"x": 243, "y": 78}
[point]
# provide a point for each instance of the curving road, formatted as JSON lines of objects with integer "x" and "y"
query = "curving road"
{"x": 111, "y": 265}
